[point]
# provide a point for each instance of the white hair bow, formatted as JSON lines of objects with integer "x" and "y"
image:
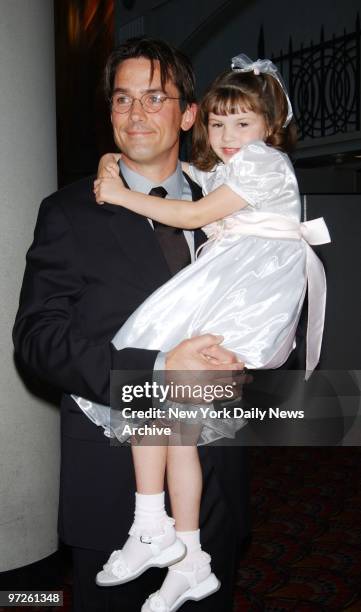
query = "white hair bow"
{"x": 242, "y": 63}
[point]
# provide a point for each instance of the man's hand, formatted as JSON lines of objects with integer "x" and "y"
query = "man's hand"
{"x": 202, "y": 353}
{"x": 219, "y": 355}
{"x": 201, "y": 363}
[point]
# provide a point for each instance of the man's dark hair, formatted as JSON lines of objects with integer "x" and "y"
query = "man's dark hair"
{"x": 174, "y": 65}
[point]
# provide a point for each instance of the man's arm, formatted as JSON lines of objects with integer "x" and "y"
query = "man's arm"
{"x": 47, "y": 335}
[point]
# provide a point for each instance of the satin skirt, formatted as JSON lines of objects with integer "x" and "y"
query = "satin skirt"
{"x": 246, "y": 288}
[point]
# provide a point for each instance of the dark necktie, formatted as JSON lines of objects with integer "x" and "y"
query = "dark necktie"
{"x": 171, "y": 240}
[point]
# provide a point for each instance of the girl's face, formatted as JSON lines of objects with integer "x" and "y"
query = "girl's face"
{"x": 228, "y": 133}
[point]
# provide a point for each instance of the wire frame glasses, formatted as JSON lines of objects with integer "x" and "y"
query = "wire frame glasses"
{"x": 151, "y": 102}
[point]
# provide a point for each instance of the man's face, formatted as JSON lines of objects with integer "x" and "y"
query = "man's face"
{"x": 148, "y": 138}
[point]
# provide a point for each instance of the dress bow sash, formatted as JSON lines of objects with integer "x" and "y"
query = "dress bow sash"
{"x": 314, "y": 232}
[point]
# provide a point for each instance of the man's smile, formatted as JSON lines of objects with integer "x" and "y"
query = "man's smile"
{"x": 139, "y": 132}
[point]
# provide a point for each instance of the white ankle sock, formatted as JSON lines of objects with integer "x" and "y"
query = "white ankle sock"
{"x": 191, "y": 539}
{"x": 148, "y": 518}
{"x": 174, "y": 583}
{"x": 149, "y": 510}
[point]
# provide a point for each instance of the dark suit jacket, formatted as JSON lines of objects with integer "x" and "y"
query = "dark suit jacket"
{"x": 87, "y": 270}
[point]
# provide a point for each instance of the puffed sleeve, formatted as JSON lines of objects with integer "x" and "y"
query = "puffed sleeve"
{"x": 256, "y": 173}
{"x": 199, "y": 177}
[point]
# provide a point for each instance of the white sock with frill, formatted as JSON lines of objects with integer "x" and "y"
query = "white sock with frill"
{"x": 196, "y": 563}
{"x": 149, "y": 518}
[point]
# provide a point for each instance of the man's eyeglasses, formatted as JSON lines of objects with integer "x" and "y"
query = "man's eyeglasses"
{"x": 151, "y": 102}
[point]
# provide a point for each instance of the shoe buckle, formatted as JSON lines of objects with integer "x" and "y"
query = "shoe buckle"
{"x": 146, "y": 539}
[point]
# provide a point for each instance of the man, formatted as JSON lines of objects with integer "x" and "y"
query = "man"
{"x": 87, "y": 270}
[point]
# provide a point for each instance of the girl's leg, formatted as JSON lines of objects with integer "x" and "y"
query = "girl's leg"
{"x": 152, "y": 539}
{"x": 149, "y": 466}
{"x": 184, "y": 477}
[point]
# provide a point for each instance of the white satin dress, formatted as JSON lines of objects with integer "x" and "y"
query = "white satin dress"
{"x": 249, "y": 280}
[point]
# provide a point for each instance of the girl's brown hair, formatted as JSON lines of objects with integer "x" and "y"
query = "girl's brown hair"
{"x": 233, "y": 92}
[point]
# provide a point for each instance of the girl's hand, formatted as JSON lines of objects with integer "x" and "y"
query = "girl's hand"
{"x": 110, "y": 190}
{"x": 108, "y": 165}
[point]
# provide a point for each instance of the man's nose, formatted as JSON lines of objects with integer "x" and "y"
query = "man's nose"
{"x": 136, "y": 111}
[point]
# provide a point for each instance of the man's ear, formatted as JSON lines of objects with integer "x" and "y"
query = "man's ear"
{"x": 188, "y": 117}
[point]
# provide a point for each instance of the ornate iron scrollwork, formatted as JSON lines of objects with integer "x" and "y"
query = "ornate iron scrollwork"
{"x": 324, "y": 84}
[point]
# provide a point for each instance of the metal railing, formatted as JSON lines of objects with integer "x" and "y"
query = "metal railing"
{"x": 324, "y": 83}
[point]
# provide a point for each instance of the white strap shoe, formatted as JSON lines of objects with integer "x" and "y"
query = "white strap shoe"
{"x": 202, "y": 583}
{"x": 165, "y": 550}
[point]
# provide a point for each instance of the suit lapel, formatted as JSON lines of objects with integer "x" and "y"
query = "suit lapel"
{"x": 199, "y": 238}
{"x": 199, "y": 235}
{"x": 138, "y": 242}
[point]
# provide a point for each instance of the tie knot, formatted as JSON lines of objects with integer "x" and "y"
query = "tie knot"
{"x": 160, "y": 192}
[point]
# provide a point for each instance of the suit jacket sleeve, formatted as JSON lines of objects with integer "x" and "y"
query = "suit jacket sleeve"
{"x": 47, "y": 337}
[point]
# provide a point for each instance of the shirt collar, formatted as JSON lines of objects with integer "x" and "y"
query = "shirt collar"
{"x": 173, "y": 184}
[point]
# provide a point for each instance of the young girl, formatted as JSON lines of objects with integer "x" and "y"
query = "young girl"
{"x": 247, "y": 285}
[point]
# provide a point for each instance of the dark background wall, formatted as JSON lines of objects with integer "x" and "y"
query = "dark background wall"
{"x": 342, "y": 338}
{"x": 211, "y": 32}
{"x": 84, "y": 37}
